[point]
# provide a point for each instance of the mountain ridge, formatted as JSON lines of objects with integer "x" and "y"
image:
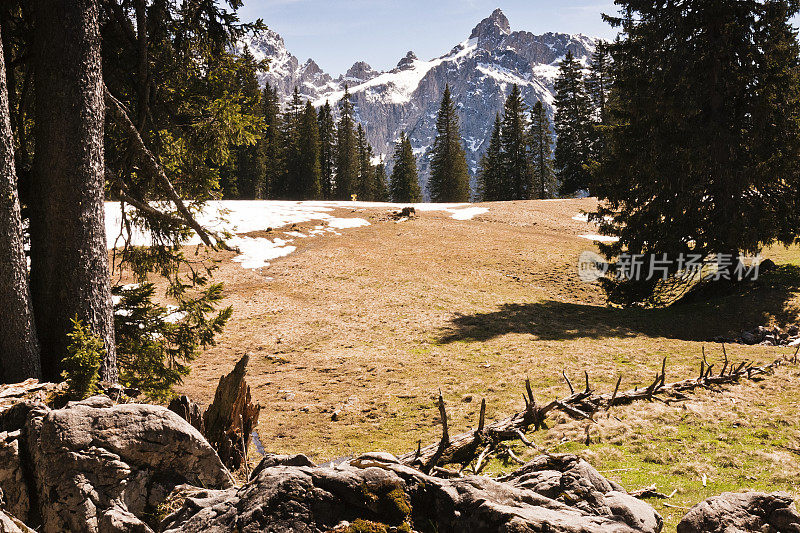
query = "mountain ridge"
{"x": 480, "y": 71}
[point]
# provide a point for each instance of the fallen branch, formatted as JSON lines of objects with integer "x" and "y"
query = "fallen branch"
{"x": 466, "y": 447}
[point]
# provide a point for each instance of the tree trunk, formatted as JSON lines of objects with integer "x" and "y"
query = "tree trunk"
{"x": 69, "y": 261}
{"x": 19, "y": 346}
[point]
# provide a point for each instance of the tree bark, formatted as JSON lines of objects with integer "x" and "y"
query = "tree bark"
{"x": 69, "y": 260}
{"x": 19, "y": 346}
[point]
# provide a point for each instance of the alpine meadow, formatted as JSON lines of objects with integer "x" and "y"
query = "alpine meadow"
{"x": 513, "y": 281}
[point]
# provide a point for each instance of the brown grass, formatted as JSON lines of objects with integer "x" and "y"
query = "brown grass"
{"x": 374, "y": 322}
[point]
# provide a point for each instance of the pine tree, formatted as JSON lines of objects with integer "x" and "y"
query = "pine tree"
{"x": 517, "y": 175}
{"x": 381, "y": 188}
{"x": 272, "y": 144}
{"x": 490, "y": 173}
{"x": 542, "y": 152}
{"x": 327, "y": 150}
{"x": 346, "y": 150}
{"x": 573, "y": 125}
{"x": 703, "y": 161}
{"x": 308, "y": 186}
{"x": 405, "y": 180}
{"x": 449, "y": 179}
{"x": 366, "y": 172}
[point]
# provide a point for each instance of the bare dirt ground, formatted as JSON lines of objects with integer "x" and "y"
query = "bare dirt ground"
{"x": 372, "y": 323}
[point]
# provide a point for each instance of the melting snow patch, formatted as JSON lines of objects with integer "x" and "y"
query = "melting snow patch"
{"x": 581, "y": 217}
{"x": 258, "y": 252}
{"x": 468, "y": 213}
{"x": 600, "y": 238}
{"x": 344, "y": 223}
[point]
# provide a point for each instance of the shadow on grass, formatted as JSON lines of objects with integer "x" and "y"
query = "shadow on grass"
{"x": 751, "y": 305}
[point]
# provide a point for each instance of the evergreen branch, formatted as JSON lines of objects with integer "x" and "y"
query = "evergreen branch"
{"x": 152, "y": 166}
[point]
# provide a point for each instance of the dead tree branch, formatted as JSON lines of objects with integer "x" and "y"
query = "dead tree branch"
{"x": 481, "y": 443}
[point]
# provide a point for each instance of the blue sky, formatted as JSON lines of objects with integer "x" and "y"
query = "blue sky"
{"x": 336, "y": 33}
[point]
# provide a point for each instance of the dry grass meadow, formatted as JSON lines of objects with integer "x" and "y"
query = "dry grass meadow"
{"x": 373, "y": 323}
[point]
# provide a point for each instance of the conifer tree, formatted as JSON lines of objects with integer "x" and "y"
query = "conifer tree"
{"x": 366, "y": 172}
{"x": 242, "y": 175}
{"x": 704, "y": 161}
{"x": 542, "y": 152}
{"x": 308, "y": 186}
{"x": 405, "y": 180}
{"x": 598, "y": 82}
{"x": 327, "y": 150}
{"x": 517, "y": 175}
{"x": 449, "y": 179}
{"x": 288, "y": 185}
{"x": 346, "y": 150}
{"x": 490, "y": 173}
{"x": 381, "y": 187}
{"x": 573, "y": 125}
{"x": 271, "y": 144}
{"x": 598, "y": 86}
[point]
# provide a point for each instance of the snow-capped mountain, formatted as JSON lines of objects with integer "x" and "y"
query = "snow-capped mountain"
{"x": 480, "y": 70}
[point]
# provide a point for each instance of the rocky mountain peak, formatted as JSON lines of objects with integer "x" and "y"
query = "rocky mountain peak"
{"x": 360, "y": 71}
{"x": 408, "y": 61}
{"x": 494, "y": 26}
{"x": 312, "y": 68}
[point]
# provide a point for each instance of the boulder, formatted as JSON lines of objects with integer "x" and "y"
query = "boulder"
{"x": 12, "y": 481}
{"x": 733, "y": 512}
{"x": 572, "y": 481}
{"x": 103, "y": 467}
{"x": 10, "y": 524}
{"x": 379, "y": 490}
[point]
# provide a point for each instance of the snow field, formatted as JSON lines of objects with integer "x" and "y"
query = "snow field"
{"x": 245, "y": 216}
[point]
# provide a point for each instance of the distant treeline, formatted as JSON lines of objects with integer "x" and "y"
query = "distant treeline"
{"x": 304, "y": 154}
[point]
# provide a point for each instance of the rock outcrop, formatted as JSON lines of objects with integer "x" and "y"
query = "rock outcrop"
{"x": 745, "y": 512}
{"x": 554, "y": 494}
{"x": 96, "y": 466}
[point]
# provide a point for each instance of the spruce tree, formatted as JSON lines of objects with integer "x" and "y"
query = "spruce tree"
{"x": 573, "y": 125}
{"x": 327, "y": 150}
{"x": 517, "y": 175}
{"x": 705, "y": 128}
{"x": 404, "y": 185}
{"x": 366, "y": 172}
{"x": 346, "y": 150}
{"x": 449, "y": 179}
{"x": 598, "y": 82}
{"x": 542, "y": 152}
{"x": 243, "y": 174}
{"x": 18, "y": 342}
{"x": 598, "y": 86}
{"x": 490, "y": 173}
{"x": 271, "y": 144}
{"x": 288, "y": 185}
{"x": 381, "y": 187}
{"x": 308, "y": 187}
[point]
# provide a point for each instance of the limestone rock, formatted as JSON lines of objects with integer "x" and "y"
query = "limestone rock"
{"x": 10, "y": 524}
{"x": 12, "y": 481}
{"x": 746, "y": 512}
{"x": 101, "y": 467}
{"x": 376, "y": 488}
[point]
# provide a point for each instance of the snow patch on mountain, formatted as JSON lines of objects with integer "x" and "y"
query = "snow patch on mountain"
{"x": 479, "y": 70}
